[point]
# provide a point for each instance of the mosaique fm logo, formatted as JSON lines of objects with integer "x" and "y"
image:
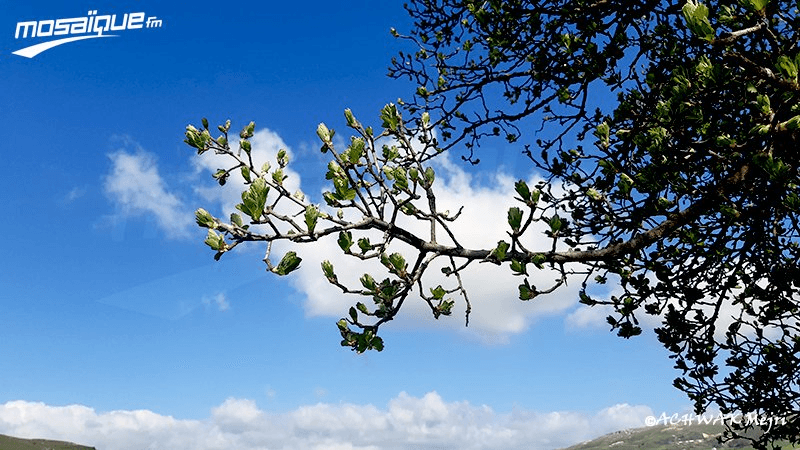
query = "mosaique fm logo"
{"x": 91, "y": 26}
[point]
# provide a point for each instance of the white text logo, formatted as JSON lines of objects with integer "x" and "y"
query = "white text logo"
{"x": 79, "y": 28}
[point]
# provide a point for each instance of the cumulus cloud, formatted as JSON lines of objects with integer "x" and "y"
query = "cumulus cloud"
{"x": 427, "y": 422}
{"x": 137, "y": 189}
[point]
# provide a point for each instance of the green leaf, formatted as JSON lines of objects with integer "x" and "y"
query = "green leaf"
{"x": 221, "y": 175}
{"x": 535, "y": 196}
{"x": 696, "y": 15}
{"x": 246, "y": 173}
{"x": 376, "y": 343}
{"x": 594, "y": 194}
{"x": 248, "y": 131}
{"x": 430, "y": 175}
{"x": 324, "y": 135}
{"x": 395, "y": 263}
{"x": 514, "y": 218}
{"x": 400, "y": 179}
{"x": 215, "y": 241}
{"x": 237, "y": 220}
{"x": 585, "y": 299}
{"x": 625, "y": 184}
{"x": 368, "y": 282}
{"x": 204, "y": 218}
{"x": 254, "y": 199}
{"x": 555, "y": 224}
{"x": 438, "y": 292}
{"x": 351, "y": 120}
{"x": 538, "y": 260}
{"x": 364, "y": 245}
{"x": 390, "y": 117}
{"x": 756, "y": 5}
{"x": 408, "y": 209}
{"x": 343, "y": 191}
{"x": 602, "y": 134}
{"x": 499, "y": 252}
{"x": 445, "y": 308}
{"x": 327, "y": 269}
{"x": 355, "y": 151}
{"x": 518, "y": 268}
{"x": 787, "y": 67}
{"x": 278, "y": 177}
{"x": 523, "y": 190}
{"x": 792, "y": 124}
{"x": 311, "y": 216}
{"x": 425, "y": 119}
{"x": 289, "y": 263}
{"x": 283, "y": 158}
{"x": 345, "y": 240}
{"x": 526, "y": 291}
{"x": 245, "y": 145}
{"x": 763, "y": 104}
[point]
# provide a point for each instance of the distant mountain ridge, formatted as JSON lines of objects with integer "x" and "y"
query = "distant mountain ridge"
{"x": 663, "y": 437}
{"x": 12, "y": 443}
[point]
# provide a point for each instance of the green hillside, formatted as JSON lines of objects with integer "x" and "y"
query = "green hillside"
{"x": 12, "y": 443}
{"x": 684, "y": 437}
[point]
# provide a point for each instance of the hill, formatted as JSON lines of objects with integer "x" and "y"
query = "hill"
{"x": 682, "y": 437}
{"x": 12, "y": 443}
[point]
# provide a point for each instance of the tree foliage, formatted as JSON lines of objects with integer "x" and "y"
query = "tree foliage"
{"x": 667, "y": 133}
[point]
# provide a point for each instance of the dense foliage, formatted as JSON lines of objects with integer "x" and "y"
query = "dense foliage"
{"x": 668, "y": 135}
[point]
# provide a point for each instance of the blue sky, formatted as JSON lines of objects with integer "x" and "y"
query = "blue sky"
{"x": 117, "y": 328}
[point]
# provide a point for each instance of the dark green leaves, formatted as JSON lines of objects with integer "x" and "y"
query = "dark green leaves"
{"x": 530, "y": 198}
{"x": 515, "y": 218}
{"x": 345, "y": 241}
{"x": 359, "y": 342}
{"x": 499, "y": 252}
{"x": 364, "y": 245}
{"x": 289, "y": 263}
{"x": 526, "y": 291}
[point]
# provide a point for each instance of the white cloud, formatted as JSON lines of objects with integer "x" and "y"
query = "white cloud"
{"x": 74, "y": 194}
{"x": 589, "y": 317}
{"x": 137, "y": 189}
{"x": 219, "y": 300}
{"x": 428, "y": 422}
